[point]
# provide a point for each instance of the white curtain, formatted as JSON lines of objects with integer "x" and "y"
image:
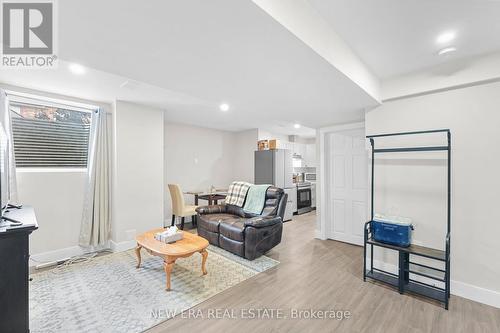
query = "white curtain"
{"x": 96, "y": 219}
{"x": 5, "y": 118}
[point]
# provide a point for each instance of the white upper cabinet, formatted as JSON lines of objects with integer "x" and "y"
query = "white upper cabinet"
{"x": 299, "y": 149}
{"x": 310, "y": 155}
{"x": 295, "y": 148}
{"x": 285, "y": 145}
{"x": 306, "y": 151}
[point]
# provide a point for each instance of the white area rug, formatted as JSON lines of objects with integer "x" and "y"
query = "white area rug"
{"x": 108, "y": 294}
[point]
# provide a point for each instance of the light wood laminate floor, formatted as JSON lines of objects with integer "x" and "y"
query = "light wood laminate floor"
{"x": 327, "y": 275}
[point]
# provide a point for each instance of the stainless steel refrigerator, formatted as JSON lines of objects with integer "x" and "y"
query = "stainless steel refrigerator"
{"x": 275, "y": 167}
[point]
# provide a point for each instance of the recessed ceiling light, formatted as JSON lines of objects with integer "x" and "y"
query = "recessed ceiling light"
{"x": 77, "y": 69}
{"x": 296, "y": 125}
{"x": 447, "y": 50}
{"x": 224, "y": 107}
{"x": 446, "y": 37}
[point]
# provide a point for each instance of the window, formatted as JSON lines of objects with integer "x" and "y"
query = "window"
{"x": 49, "y": 135}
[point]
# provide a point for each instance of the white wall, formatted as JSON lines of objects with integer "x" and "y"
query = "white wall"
{"x": 138, "y": 171}
{"x": 57, "y": 197}
{"x": 244, "y": 165}
{"x": 197, "y": 158}
{"x": 415, "y": 186}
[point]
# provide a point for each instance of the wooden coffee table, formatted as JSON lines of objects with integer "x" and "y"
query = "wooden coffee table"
{"x": 183, "y": 248}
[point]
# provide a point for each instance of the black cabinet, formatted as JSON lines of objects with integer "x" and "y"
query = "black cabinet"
{"x": 14, "y": 271}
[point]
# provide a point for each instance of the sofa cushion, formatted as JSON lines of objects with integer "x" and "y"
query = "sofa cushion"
{"x": 232, "y": 246}
{"x": 234, "y": 230}
{"x": 213, "y": 209}
{"x": 235, "y": 210}
{"x": 212, "y": 237}
{"x": 211, "y": 222}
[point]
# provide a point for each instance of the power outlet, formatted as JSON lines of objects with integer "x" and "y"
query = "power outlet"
{"x": 131, "y": 234}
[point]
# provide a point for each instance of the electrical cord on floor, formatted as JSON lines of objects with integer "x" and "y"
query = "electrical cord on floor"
{"x": 73, "y": 260}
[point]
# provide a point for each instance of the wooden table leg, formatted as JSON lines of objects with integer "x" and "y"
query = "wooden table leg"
{"x": 138, "y": 254}
{"x": 204, "y": 255}
{"x": 168, "y": 265}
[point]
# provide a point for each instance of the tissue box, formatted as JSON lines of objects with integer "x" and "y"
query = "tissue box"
{"x": 162, "y": 237}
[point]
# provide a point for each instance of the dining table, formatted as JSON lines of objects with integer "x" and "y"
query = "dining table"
{"x": 212, "y": 197}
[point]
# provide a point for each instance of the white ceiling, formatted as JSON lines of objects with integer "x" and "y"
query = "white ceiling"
{"x": 104, "y": 88}
{"x": 189, "y": 56}
{"x": 395, "y": 37}
{"x": 212, "y": 51}
{"x": 97, "y": 86}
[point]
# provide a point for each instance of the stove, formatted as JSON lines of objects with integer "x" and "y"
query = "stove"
{"x": 304, "y": 197}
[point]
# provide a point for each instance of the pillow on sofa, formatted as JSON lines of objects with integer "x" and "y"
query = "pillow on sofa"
{"x": 237, "y": 193}
{"x": 256, "y": 198}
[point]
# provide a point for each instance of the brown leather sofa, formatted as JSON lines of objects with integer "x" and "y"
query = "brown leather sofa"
{"x": 244, "y": 234}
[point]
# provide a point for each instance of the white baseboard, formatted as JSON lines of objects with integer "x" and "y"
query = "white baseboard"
{"x": 56, "y": 255}
{"x": 462, "y": 289}
{"x": 72, "y": 251}
{"x": 478, "y": 294}
{"x": 122, "y": 246}
{"x": 319, "y": 235}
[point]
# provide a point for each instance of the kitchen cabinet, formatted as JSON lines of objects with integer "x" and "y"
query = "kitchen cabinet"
{"x": 302, "y": 150}
{"x": 291, "y": 204}
{"x": 306, "y": 151}
{"x": 285, "y": 145}
{"x": 294, "y": 199}
{"x": 299, "y": 149}
{"x": 310, "y": 155}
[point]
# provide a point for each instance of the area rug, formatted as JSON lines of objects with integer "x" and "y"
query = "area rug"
{"x": 108, "y": 294}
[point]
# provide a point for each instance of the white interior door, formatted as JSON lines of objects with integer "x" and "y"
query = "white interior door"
{"x": 348, "y": 188}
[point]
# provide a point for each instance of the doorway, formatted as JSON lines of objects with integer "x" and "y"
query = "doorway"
{"x": 345, "y": 183}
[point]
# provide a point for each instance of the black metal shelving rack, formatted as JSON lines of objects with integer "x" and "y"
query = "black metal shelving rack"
{"x": 402, "y": 280}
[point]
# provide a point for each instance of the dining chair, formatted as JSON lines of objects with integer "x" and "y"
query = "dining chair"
{"x": 179, "y": 207}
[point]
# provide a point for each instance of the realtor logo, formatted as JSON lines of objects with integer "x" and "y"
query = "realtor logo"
{"x": 28, "y": 34}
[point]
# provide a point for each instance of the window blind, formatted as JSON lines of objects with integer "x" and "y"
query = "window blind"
{"x": 41, "y": 143}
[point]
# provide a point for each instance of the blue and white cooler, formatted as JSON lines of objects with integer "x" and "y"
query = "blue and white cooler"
{"x": 394, "y": 230}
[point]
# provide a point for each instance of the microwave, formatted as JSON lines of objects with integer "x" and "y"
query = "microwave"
{"x": 309, "y": 177}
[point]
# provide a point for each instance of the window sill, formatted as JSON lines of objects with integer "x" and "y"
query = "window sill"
{"x": 51, "y": 170}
